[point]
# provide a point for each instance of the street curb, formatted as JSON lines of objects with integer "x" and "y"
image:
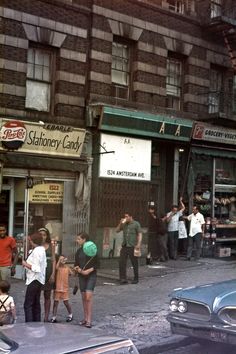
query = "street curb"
{"x": 176, "y": 341}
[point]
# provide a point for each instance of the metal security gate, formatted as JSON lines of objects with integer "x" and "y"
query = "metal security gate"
{"x": 117, "y": 197}
{"x": 75, "y": 220}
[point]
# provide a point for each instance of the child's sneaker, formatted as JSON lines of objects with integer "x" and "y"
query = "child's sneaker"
{"x": 69, "y": 318}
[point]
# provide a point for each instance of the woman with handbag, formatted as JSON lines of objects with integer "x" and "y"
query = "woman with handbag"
{"x": 85, "y": 266}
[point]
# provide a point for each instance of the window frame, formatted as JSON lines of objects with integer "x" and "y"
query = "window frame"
{"x": 50, "y": 82}
{"x": 179, "y": 86}
{"x": 178, "y": 6}
{"x": 216, "y": 8}
{"x": 122, "y": 43}
{"x": 216, "y": 85}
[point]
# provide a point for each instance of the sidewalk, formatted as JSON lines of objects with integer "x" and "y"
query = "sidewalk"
{"x": 139, "y": 311}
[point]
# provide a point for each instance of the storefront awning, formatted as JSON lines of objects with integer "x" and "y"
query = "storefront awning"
{"x": 145, "y": 124}
{"x": 19, "y": 160}
{"x": 230, "y": 154}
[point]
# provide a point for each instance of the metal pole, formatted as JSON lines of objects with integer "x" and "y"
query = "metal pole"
{"x": 176, "y": 176}
{"x": 26, "y": 222}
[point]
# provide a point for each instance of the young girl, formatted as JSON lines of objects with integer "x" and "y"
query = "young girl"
{"x": 7, "y": 306}
{"x": 85, "y": 265}
{"x": 61, "y": 291}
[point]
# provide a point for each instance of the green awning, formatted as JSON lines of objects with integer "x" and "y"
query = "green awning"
{"x": 230, "y": 154}
{"x": 145, "y": 124}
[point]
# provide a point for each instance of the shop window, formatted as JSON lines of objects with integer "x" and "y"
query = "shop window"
{"x": 215, "y": 94}
{"x": 216, "y": 8}
{"x": 174, "y": 82}
{"x": 120, "y": 74}
{"x": 39, "y": 79}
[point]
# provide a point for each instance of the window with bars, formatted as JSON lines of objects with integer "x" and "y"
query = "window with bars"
{"x": 216, "y": 78}
{"x": 174, "y": 83}
{"x": 216, "y": 8}
{"x": 39, "y": 79}
{"x": 176, "y": 5}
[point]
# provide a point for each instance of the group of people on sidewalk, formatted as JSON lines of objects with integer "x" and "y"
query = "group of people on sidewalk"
{"x": 163, "y": 237}
{"x": 47, "y": 272}
{"x": 165, "y": 232}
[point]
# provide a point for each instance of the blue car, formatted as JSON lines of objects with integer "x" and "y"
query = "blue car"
{"x": 205, "y": 312}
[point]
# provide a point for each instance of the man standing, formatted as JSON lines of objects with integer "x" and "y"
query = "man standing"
{"x": 152, "y": 235}
{"x": 197, "y": 225}
{"x": 172, "y": 219}
{"x": 8, "y": 254}
{"x": 132, "y": 238}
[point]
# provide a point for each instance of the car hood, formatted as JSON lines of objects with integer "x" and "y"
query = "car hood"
{"x": 40, "y": 338}
{"x": 215, "y": 295}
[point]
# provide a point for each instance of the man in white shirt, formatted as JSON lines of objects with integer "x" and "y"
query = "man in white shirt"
{"x": 172, "y": 219}
{"x": 196, "y": 230}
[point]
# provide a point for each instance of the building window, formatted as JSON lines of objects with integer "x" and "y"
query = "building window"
{"x": 216, "y": 8}
{"x": 39, "y": 79}
{"x": 176, "y": 6}
{"x": 174, "y": 83}
{"x": 215, "y": 94}
{"x": 120, "y": 63}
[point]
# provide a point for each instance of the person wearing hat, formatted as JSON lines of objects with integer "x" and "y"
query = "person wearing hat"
{"x": 85, "y": 266}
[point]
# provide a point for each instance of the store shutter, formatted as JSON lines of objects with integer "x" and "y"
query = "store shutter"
{"x": 75, "y": 220}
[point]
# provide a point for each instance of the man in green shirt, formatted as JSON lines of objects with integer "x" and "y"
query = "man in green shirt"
{"x": 132, "y": 238}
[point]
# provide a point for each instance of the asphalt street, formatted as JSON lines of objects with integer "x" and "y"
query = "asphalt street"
{"x": 139, "y": 311}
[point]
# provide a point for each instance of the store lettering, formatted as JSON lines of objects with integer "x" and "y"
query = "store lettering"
{"x": 42, "y": 140}
{"x": 162, "y": 129}
{"x": 125, "y": 173}
{"x": 177, "y": 132}
{"x": 12, "y": 134}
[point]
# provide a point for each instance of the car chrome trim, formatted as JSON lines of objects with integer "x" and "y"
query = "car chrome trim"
{"x": 224, "y": 320}
{"x": 113, "y": 346}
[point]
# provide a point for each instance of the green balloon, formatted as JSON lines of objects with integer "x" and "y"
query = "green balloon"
{"x": 90, "y": 249}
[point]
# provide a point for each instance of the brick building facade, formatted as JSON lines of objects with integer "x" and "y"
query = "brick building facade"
{"x": 140, "y": 73}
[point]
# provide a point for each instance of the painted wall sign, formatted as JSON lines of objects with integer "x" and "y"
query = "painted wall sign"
{"x": 46, "y": 193}
{"x": 13, "y": 134}
{"x": 215, "y": 134}
{"x": 46, "y": 139}
{"x": 131, "y": 158}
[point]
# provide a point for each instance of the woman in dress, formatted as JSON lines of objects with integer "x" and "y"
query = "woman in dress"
{"x": 50, "y": 270}
{"x": 85, "y": 266}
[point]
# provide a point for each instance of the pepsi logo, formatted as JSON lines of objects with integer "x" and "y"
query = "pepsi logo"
{"x": 13, "y": 134}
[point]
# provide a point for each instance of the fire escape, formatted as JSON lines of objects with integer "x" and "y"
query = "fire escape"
{"x": 221, "y": 23}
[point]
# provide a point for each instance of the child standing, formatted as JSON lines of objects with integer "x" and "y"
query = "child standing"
{"x": 61, "y": 291}
{"x": 7, "y": 305}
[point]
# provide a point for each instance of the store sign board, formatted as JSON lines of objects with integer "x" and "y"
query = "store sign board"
{"x": 130, "y": 159}
{"x": 43, "y": 139}
{"x": 221, "y": 135}
{"x": 46, "y": 193}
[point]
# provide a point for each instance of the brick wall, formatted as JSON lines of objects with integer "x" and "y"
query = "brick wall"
{"x": 83, "y": 61}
